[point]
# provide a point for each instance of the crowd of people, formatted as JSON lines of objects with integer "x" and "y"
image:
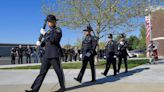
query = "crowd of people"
{"x": 29, "y": 52}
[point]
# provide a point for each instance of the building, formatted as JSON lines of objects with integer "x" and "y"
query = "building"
{"x": 157, "y": 33}
{"x": 5, "y": 49}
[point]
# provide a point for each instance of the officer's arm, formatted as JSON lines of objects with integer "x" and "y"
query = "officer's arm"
{"x": 126, "y": 45}
{"x": 94, "y": 43}
{"x": 106, "y": 49}
{"x": 56, "y": 37}
{"x": 115, "y": 47}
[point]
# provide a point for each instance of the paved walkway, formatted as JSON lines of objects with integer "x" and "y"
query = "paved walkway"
{"x": 145, "y": 78}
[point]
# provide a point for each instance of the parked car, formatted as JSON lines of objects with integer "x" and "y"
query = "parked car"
{"x": 136, "y": 53}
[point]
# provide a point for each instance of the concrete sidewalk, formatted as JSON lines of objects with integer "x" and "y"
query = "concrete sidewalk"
{"x": 145, "y": 78}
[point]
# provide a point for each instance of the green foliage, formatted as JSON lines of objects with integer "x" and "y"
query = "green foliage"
{"x": 102, "y": 45}
{"x": 133, "y": 41}
{"x": 103, "y": 15}
{"x": 77, "y": 65}
{"x": 142, "y": 42}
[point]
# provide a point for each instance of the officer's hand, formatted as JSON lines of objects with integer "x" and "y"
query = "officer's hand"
{"x": 38, "y": 43}
{"x": 122, "y": 43}
{"x": 88, "y": 54}
{"x": 42, "y": 31}
{"x": 115, "y": 56}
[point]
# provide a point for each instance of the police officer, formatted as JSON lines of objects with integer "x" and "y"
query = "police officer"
{"x": 13, "y": 55}
{"x": 20, "y": 54}
{"x": 122, "y": 52}
{"x": 53, "y": 52}
{"x": 88, "y": 52}
{"x": 28, "y": 54}
{"x": 110, "y": 50}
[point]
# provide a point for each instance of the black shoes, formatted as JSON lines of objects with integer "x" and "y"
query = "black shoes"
{"x": 77, "y": 80}
{"x": 29, "y": 91}
{"x": 103, "y": 74}
{"x": 80, "y": 80}
{"x": 93, "y": 81}
{"x": 61, "y": 90}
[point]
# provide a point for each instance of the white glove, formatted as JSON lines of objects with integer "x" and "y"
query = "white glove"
{"x": 121, "y": 43}
{"x": 88, "y": 54}
{"x": 42, "y": 31}
{"x": 80, "y": 55}
{"x": 38, "y": 43}
{"x": 115, "y": 56}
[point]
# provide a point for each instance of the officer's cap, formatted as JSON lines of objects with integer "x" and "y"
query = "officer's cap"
{"x": 110, "y": 36}
{"x": 51, "y": 18}
{"x": 122, "y": 35}
{"x": 89, "y": 29}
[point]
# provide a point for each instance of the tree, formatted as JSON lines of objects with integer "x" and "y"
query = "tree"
{"x": 78, "y": 43}
{"x": 102, "y": 45}
{"x": 133, "y": 42}
{"x": 102, "y": 15}
{"x": 142, "y": 42}
{"x": 67, "y": 46}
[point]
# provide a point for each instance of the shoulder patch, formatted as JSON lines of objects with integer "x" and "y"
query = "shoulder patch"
{"x": 94, "y": 37}
{"x": 58, "y": 29}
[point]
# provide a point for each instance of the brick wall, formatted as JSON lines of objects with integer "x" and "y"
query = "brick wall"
{"x": 158, "y": 29}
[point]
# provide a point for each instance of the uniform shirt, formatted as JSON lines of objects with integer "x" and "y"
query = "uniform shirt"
{"x": 122, "y": 48}
{"x": 20, "y": 51}
{"x": 89, "y": 45}
{"x": 28, "y": 51}
{"x": 52, "y": 43}
{"x": 111, "y": 48}
{"x": 13, "y": 52}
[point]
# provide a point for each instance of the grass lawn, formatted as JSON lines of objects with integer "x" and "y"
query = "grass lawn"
{"x": 100, "y": 65}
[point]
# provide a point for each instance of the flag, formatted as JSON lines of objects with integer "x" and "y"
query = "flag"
{"x": 148, "y": 28}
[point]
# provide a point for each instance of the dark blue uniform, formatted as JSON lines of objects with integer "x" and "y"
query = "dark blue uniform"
{"x": 20, "y": 55}
{"x": 13, "y": 55}
{"x": 28, "y": 55}
{"x": 110, "y": 51}
{"x": 122, "y": 54}
{"x": 53, "y": 52}
{"x": 88, "y": 47}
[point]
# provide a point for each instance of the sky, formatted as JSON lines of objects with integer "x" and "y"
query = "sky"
{"x": 21, "y": 21}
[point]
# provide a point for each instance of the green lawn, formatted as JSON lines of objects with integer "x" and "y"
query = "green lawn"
{"x": 100, "y": 65}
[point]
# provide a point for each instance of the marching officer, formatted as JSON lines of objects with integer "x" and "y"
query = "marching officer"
{"x": 122, "y": 52}
{"x": 53, "y": 52}
{"x": 88, "y": 52}
{"x": 110, "y": 51}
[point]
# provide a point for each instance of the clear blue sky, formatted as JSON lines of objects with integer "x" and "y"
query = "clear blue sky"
{"x": 21, "y": 20}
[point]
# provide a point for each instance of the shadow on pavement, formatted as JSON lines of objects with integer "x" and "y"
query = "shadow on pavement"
{"x": 160, "y": 62}
{"x": 108, "y": 79}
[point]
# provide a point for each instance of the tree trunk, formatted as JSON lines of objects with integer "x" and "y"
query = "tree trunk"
{"x": 98, "y": 48}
